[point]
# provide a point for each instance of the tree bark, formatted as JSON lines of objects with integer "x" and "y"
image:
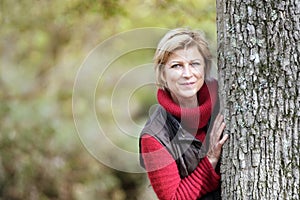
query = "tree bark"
{"x": 258, "y": 59}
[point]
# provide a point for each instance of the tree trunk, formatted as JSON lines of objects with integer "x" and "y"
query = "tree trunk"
{"x": 258, "y": 59}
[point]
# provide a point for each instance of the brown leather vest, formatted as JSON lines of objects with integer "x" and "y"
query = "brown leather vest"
{"x": 183, "y": 146}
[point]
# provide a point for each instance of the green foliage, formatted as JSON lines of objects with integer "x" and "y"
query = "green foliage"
{"x": 42, "y": 46}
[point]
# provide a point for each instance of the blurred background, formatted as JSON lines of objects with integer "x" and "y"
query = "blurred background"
{"x": 43, "y": 44}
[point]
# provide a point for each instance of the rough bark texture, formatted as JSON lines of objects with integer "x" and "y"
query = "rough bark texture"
{"x": 258, "y": 59}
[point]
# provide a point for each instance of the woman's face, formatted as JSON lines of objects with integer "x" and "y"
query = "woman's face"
{"x": 184, "y": 73}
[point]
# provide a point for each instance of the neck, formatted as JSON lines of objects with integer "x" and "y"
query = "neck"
{"x": 187, "y": 102}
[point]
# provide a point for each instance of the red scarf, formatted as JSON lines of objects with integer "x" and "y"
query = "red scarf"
{"x": 193, "y": 118}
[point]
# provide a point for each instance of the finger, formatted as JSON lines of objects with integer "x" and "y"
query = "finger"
{"x": 220, "y": 130}
{"x": 224, "y": 139}
{"x": 220, "y": 144}
{"x": 216, "y": 125}
{"x": 219, "y": 121}
{"x": 215, "y": 139}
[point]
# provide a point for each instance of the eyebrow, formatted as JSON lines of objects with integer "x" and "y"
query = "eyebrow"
{"x": 196, "y": 60}
{"x": 180, "y": 61}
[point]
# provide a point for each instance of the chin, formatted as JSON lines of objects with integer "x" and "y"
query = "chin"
{"x": 188, "y": 94}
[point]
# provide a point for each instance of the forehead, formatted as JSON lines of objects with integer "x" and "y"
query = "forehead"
{"x": 186, "y": 54}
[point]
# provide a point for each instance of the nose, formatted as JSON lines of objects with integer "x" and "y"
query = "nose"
{"x": 187, "y": 71}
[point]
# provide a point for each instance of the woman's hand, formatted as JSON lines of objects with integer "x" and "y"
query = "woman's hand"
{"x": 215, "y": 140}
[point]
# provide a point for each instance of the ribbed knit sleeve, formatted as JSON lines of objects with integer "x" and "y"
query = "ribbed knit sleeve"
{"x": 166, "y": 180}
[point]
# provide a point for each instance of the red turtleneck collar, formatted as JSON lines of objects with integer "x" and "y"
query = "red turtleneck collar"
{"x": 194, "y": 118}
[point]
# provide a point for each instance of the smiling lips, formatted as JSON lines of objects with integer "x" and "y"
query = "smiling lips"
{"x": 188, "y": 83}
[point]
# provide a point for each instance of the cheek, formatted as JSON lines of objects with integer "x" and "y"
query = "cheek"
{"x": 171, "y": 76}
{"x": 200, "y": 73}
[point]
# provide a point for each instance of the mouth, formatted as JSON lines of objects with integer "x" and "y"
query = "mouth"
{"x": 188, "y": 83}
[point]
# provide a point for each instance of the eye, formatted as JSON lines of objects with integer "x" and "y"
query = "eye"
{"x": 177, "y": 65}
{"x": 196, "y": 64}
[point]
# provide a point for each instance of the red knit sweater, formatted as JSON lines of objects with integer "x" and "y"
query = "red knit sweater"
{"x": 166, "y": 180}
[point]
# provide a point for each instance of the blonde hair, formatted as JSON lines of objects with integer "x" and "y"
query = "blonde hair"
{"x": 176, "y": 39}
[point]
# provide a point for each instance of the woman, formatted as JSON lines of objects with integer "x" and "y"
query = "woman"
{"x": 179, "y": 157}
